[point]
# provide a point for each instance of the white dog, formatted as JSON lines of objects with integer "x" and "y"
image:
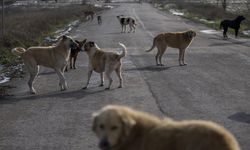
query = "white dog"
{"x": 101, "y": 62}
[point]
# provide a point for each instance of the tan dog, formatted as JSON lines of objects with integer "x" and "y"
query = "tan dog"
{"x": 122, "y": 128}
{"x": 101, "y": 62}
{"x": 180, "y": 40}
{"x": 55, "y": 57}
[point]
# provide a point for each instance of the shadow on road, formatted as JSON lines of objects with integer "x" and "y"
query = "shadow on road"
{"x": 78, "y": 94}
{"x": 152, "y": 68}
{"x": 240, "y": 117}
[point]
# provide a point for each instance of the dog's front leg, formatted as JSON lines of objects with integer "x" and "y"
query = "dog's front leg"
{"x": 102, "y": 79}
{"x": 89, "y": 75}
{"x": 62, "y": 82}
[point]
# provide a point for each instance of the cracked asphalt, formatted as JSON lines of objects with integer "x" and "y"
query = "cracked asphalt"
{"x": 215, "y": 85}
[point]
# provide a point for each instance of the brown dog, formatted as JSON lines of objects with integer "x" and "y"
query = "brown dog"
{"x": 122, "y": 128}
{"x": 74, "y": 53}
{"x": 101, "y": 61}
{"x": 180, "y": 40}
{"x": 55, "y": 57}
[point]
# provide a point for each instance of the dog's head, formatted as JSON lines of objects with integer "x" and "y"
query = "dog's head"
{"x": 240, "y": 18}
{"x": 78, "y": 47}
{"x": 190, "y": 34}
{"x": 112, "y": 125}
{"x": 88, "y": 46}
{"x": 68, "y": 41}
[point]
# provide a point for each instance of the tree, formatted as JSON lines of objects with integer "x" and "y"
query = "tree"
{"x": 224, "y": 4}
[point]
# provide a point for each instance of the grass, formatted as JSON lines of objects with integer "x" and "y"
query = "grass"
{"x": 209, "y": 15}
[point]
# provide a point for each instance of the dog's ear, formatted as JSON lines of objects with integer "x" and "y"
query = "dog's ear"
{"x": 64, "y": 37}
{"x": 94, "y": 123}
{"x": 128, "y": 123}
{"x": 84, "y": 41}
{"x": 92, "y": 44}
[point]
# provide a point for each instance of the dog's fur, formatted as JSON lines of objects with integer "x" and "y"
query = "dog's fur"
{"x": 74, "y": 53}
{"x": 124, "y": 21}
{"x": 89, "y": 14}
{"x": 55, "y": 57}
{"x": 101, "y": 61}
{"x": 122, "y": 128}
{"x": 99, "y": 20}
{"x": 180, "y": 40}
{"x": 234, "y": 24}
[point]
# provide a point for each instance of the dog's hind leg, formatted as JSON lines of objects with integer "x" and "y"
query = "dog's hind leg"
{"x": 160, "y": 52}
{"x": 62, "y": 81}
{"x": 33, "y": 70}
{"x": 108, "y": 74}
{"x": 182, "y": 53}
{"x": 102, "y": 79}
{"x": 118, "y": 72}
{"x": 89, "y": 75}
{"x": 225, "y": 32}
{"x": 163, "y": 49}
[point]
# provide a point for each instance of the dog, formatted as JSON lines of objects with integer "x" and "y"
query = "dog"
{"x": 180, "y": 40}
{"x": 55, "y": 57}
{"x": 122, "y": 128}
{"x": 74, "y": 53}
{"x": 101, "y": 62}
{"x": 234, "y": 24}
{"x": 124, "y": 21}
{"x": 89, "y": 14}
{"x": 99, "y": 20}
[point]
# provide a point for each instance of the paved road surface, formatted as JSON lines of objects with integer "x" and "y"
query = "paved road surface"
{"x": 215, "y": 85}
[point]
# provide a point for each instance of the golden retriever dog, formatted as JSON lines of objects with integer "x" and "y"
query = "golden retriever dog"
{"x": 101, "y": 61}
{"x": 124, "y": 21}
{"x": 122, "y": 128}
{"x": 55, "y": 57}
{"x": 180, "y": 40}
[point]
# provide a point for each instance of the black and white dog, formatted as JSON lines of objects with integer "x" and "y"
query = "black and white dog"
{"x": 234, "y": 24}
{"x": 124, "y": 21}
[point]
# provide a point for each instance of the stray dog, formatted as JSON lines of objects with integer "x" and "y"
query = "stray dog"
{"x": 74, "y": 53}
{"x": 180, "y": 40}
{"x": 234, "y": 24}
{"x": 55, "y": 57}
{"x": 122, "y": 128}
{"x": 124, "y": 21}
{"x": 101, "y": 62}
{"x": 89, "y": 14}
{"x": 99, "y": 20}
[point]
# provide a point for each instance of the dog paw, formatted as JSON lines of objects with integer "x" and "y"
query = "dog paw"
{"x": 84, "y": 87}
{"x": 107, "y": 88}
{"x": 120, "y": 86}
{"x": 33, "y": 92}
{"x": 101, "y": 84}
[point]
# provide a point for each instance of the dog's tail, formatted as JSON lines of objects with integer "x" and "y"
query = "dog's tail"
{"x": 124, "y": 50}
{"x": 18, "y": 51}
{"x": 153, "y": 46}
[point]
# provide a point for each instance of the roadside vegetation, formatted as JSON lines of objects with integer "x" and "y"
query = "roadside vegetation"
{"x": 208, "y": 14}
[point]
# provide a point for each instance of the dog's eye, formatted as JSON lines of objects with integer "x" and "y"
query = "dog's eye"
{"x": 101, "y": 126}
{"x": 114, "y": 127}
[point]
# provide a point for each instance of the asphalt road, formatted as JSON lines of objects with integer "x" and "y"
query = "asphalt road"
{"x": 215, "y": 85}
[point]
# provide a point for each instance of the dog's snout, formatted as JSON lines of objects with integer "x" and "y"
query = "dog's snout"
{"x": 104, "y": 144}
